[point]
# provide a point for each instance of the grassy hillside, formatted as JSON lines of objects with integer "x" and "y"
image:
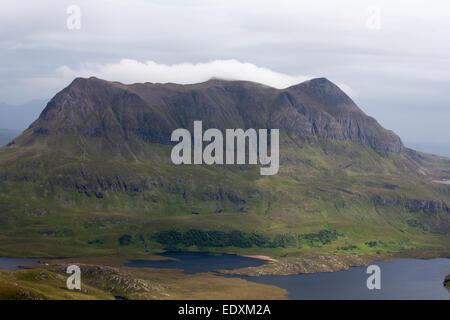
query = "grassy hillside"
{"x": 84, "y": 206}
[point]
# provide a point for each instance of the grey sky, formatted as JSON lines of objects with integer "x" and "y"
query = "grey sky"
{"x": 399, "y": 74}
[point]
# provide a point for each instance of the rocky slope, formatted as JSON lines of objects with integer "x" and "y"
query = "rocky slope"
{"x": 97, "y": 108}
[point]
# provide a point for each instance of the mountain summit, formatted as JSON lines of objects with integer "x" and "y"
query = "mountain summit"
{"x": 316, "y": 108}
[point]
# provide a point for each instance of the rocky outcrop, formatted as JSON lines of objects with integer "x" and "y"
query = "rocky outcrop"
{"x": 111, "y": 279}
{"x": 414, "y": 205}
{"x": 308, "y": 263}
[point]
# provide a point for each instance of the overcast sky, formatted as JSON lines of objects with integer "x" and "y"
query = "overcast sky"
{"x": 395, "y": 65}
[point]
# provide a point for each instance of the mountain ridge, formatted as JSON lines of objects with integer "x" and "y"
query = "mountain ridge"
{"x": 313, "y": 108}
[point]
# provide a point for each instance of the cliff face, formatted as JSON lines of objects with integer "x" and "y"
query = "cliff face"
{"x": 317, "y": 108}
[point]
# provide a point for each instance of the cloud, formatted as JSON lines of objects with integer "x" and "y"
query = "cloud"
{"x": 131, "y": 71}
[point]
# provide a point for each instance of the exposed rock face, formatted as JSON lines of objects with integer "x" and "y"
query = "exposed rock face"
{"x": 111, "y": 279}
{"x": 415, "y": 205}
{"x": 432, "y": 209}
{"x": 97, "y": 108}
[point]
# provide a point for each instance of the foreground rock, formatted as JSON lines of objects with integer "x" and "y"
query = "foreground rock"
{"x": 447, "y": 282}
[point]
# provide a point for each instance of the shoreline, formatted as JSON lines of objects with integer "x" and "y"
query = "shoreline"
{"x": 294, "y": 264}
{"x": 310, "y": 263}
{"x": 260, "y": 257}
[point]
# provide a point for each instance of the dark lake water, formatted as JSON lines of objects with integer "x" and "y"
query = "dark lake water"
{"x": 193, "y": 262}
{"x": 15, "y": 263}
{"x": 400, "y": 278}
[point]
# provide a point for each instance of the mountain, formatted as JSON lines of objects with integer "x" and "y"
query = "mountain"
{"x": 93, "y": 173}
{"x": 96, "y": 108}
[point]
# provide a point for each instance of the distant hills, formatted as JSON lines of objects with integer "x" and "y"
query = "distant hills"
{"x": 16, "y": 118}
{"x": 433, "y": 148}
{"x": 7, "y": 135}
{"x": 94, "y": 169}
{"x": 19, "y": 117}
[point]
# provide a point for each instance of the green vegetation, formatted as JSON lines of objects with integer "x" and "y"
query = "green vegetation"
{"x": 200, "y": 238}
{"x": 371, "y": 243}
{"x": 174, "y": 239}
{"x": 124, "y": 240}
{"x": 349, "y": 247}
{"x": 42, "y": 284}
{"x": 323, "y": 237}
{"x": 416, "y": 224}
